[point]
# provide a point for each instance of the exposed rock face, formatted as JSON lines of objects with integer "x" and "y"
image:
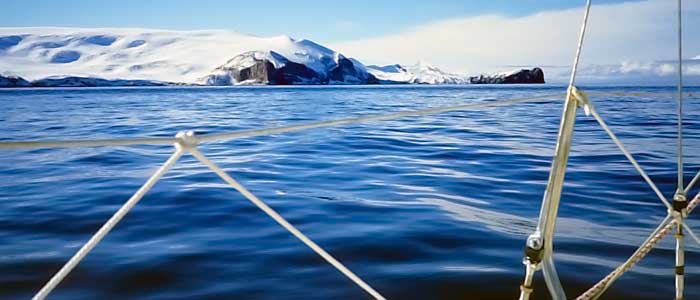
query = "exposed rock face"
{"x": 74, "y": 81}
{"x": 290, "y": 72}
{"x": 13, "y": 81}
{"x": 271, "y": 68}
{"x": 348, "y": 71}
{"x": 536, "y": 75}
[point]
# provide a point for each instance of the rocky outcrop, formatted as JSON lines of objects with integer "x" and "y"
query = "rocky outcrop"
{"x": 74, "y": 81}
{"x": 272, "y": 68}
{"x": 13, "y": 81}
{"x": 256, "y": 67}
{"x": 348, "y": 71}
{"x": 535, "y": 75}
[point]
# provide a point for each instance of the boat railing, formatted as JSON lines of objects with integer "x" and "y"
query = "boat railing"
{"x": 188, "y": 142}
{"x": 539, "y": 245}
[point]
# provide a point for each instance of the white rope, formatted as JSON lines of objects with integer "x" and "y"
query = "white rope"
{"x": 187, "y": 142}
{"x": 629, "y": 156}
{"x": 691, "y": 233}
{"x": 279, "y": 219}
{"x": 269, "y": 131}
{"x": 369, "y": 118}
{"x": 680, "y": 97}
{"x": 215, "y": 137}
{"x": 107, "y": 227}
{"x": 654, "y": 238}
{"x": 656, "y": 95}
{"x": 584, "y": 25}
{"x": 599, "y": 288}
{"x": 692, "y": 182}
{"x": 86, "y": 143}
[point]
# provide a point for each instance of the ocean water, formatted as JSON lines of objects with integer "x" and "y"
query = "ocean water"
{"x": 431, "y": 207}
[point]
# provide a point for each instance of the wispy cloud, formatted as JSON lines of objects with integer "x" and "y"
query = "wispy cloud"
{"x": 629, "y": 40}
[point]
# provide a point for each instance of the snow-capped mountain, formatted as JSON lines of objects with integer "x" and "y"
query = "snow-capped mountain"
{"x": 158, "y": 55}
{"x": 49, "y": 56}
{"x": 422, "y": 73}
{"x": 270, "y": 67}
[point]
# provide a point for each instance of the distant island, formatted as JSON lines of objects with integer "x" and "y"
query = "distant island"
{"x": 71, "y": 57}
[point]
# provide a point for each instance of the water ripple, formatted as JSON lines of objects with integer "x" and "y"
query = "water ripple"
{"x": 435, "y": 207}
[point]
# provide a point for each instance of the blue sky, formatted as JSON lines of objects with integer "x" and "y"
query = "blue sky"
{"x": 326, "y": 21}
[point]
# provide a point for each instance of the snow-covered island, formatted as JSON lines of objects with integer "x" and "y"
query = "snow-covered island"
{"x": 74, "y": 57}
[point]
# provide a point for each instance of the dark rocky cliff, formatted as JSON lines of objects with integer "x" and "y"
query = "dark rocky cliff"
{"x": 535, "y": 75}
{"x": 271, "y": 68}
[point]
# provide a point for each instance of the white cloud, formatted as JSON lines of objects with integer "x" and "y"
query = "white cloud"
{"x": 635, "y": 66}
{"x": 622, "y": 39}
{"x": 666, "y": 69}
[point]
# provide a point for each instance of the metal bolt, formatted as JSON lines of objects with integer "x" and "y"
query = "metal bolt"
{"x": 534, "y": 242}
{"x": 679, "y": 197}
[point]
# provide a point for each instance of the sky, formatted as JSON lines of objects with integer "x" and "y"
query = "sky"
{"x": 626, "y": 41}
{"x": 325, "y": 21}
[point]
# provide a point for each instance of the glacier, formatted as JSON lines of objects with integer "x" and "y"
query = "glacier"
{"x": 419, "y": 73}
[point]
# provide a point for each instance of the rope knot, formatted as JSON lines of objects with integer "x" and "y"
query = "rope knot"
{"x": 186, "y": 139}
{"x": 581, "y": 98}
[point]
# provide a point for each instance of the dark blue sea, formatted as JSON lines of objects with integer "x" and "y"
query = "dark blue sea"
{"x": 430, "y": 207}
